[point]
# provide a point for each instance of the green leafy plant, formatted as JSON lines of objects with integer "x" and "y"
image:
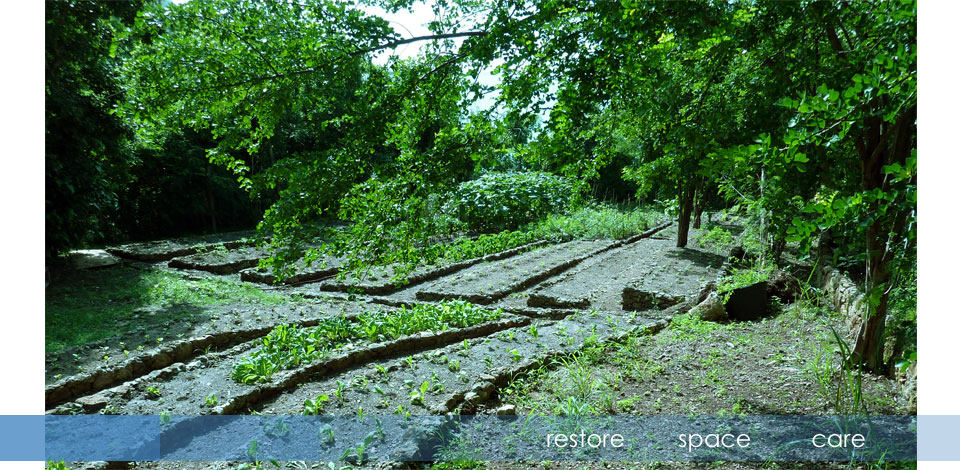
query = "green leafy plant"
{"x": 211, "y": 400}
{"x": 315, "y": 406}
{"x": 416, "y": 397}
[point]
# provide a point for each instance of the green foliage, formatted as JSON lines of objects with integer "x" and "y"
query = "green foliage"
{"x": 289, "y": 346}
{"x": 85, "y": 143}
{"x": 593, "y": 222}
{"x": 497, "y": 201}
{"x": 717, "y": 238}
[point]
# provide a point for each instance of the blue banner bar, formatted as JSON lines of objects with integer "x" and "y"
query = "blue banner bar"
{"x": 373, "y": 438}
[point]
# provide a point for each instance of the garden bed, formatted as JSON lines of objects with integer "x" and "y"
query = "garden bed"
{"x": 221, "y": 261}
{"x": 488, "y": 282}
{"x": 164, "y": 250}
{"x": 302, "y": 273}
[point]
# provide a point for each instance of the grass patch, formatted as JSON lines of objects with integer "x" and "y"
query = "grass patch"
{"x": 95, "y": 305}
{"x": 592, "y": 222}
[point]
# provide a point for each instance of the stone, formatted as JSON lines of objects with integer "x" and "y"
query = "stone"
{"x": 507, "y": 410}
{"x": 711, "y": 309}
{"x": 748, "y": 303}
{"x": 637, "y": 299}
{"x": 92, "y": 403}
{"x": 783, "y": 286}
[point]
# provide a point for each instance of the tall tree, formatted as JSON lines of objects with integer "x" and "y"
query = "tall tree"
{"x": 85, "y": 141}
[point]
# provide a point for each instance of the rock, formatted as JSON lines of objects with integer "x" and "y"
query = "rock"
{"x": 93, "y": 403}
{"x": 748, "y": 303}
{"x": 637, "y": 299}
{"x": 507, "y": 410}
{"x": 784, "y": 286}
{"x": 711, "y": 309}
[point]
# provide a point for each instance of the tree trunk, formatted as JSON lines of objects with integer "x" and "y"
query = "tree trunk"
{"x": 686, "y": 209}
{"x": 698, "y": 209}
{"x": 210, "y": 203}
{"x": 874, "y": 154}
{"x": 776, "y": 249}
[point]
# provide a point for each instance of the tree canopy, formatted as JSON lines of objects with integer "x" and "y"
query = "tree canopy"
{"x": 803, "y": 112}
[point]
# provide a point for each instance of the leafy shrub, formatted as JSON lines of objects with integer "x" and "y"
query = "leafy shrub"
{"x": 497, "y": 201}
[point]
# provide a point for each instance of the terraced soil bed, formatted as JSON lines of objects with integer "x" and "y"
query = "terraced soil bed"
{"x": 186, "y": 388}
{"x": 189, "y": 325}
{"x": 461, "y": 375}
{"x": 164, "y": 250}
{"x": 221, "y": 261}
{"x": 381, "y": 280}
{"x": 490, "y": 281}
{"x": 302, "y": 272}
{"x": 653, "y": 263}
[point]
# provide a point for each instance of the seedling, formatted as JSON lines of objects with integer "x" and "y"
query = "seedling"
{"x": 326, "y": 434}
{"x": 154, "y": 391}
{"x": 466, "y": 346}
{"x": 211, "y": 400}
{"x": 516, "y": 355}
{"x": 339, "y": 391}
{"x": 534, "y": 332}
{"x": 315, "y": 406}
{"x": 409, "y": 362}
{"x": 165, "y": 417}
{"x": 454, "y": 366}
{"x": 278, "y": 429}
{"x": 416, "y": 397}
{"x": 359, "y": 413}
{"x": 383, "y": 373}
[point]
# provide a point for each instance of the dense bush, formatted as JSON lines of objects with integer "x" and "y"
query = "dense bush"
{"x": 497, "y": 201}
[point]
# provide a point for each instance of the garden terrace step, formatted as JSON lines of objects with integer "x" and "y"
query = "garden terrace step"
{"x": 184, "y": 387}
{"x": 488, "y": 282}
{"x": 379, "y": 281}
{"x": 221, "y": 261}
{"x": 165, "y": 250}
{"x": 302, "y": 273}
{"x": 666, "y": 275}
{"x": 457, "y": 367}
{"x": 600, "y": 278}
{"x": 73, "y": 387}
